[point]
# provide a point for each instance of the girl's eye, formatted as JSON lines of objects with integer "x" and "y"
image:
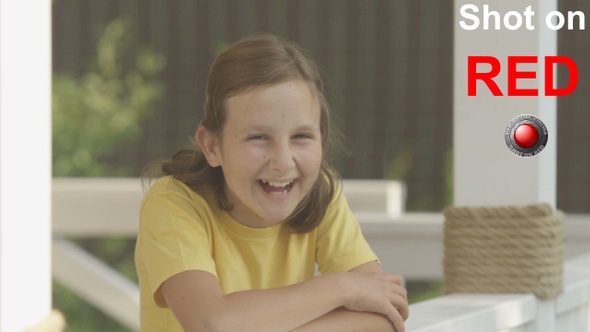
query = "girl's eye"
{"x": 257, "y": 137}
{"x": 302, "y": 136}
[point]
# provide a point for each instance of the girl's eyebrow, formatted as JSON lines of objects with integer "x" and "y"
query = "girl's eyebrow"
{"x": 263, "y": 128}
{"x": 256, "y": 128}
{"x": 307, "y": 128}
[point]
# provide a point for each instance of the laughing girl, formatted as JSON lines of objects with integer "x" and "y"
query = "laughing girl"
{"x": 230, "y": 234}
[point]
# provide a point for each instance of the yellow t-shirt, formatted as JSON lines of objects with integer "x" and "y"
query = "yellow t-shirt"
{"x": 182, "y": 230}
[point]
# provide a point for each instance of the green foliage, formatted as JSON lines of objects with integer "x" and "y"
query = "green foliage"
{"x": 399, "y": 167}
{"x": 95, "y": 114}
{"x": 419, "y": 291}
{"x": 81, "y": 316}
{"x": 103, "y": 108}
{"x": 401, "y": 164}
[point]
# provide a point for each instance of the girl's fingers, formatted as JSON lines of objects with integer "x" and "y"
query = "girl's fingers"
{"x": 404, "y": 311}
{"x": 397, "y": 319}
{"x": 395, "y": 303}
{"x": 396, "y": 279}
{"x": 401, "y": 303}
{"x": 401, "y": 291}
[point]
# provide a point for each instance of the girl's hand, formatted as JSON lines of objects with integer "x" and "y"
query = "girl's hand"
{"x": 380, "y": 293}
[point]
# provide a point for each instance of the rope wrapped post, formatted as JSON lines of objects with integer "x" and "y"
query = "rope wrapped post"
{"x": 504, "y": 250}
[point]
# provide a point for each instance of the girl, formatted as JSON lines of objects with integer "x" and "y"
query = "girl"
{"x": 229, "y": 236}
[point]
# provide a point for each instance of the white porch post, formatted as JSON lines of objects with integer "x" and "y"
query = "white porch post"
{"x": 25, "y": 163}
{"x": 486, "y": 172}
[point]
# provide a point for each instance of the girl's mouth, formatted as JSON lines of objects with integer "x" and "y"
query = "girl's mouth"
{"x": 276, "y": 188}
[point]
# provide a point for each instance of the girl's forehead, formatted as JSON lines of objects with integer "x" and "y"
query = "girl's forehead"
{"x": 290, "y": 101}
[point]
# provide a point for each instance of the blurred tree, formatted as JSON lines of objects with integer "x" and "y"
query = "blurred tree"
{"x": 101, "y": 110}
{"x": 95, "y": 115}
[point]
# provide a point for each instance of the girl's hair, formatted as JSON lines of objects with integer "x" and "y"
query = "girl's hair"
{"x": 255, "y": 62}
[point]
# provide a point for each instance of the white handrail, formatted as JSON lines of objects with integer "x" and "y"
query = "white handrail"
{"x": 410, "y": 244}
{"x": 510, "y": 312}
{"x": 96, "y": 282}
{"x": 110, "y": 206}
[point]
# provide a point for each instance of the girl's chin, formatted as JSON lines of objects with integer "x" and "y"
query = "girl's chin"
{"x": 276, "y": 218}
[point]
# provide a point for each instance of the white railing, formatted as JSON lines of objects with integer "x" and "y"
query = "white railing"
{"x": 406, "y": 243}
{"x": 511, "y": 312}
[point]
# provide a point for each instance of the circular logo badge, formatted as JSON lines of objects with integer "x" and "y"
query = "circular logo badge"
{"x": 526, "y": 135}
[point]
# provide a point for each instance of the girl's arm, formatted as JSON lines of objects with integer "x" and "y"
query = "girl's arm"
{"x": 346, "y": 320}
{"x": 343, "y": 320}
{"x": 196, "y": 299}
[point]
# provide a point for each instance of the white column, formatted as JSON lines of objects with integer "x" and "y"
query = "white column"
{"x": 25, "y": 163}
{"x": 486, "y": 172}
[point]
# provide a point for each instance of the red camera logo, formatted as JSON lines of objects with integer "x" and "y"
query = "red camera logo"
{"x": 526, "y": 135}
{"x": 514, "y": 74}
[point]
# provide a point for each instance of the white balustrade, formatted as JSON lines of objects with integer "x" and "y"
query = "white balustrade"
{"x": 409, "y": 244}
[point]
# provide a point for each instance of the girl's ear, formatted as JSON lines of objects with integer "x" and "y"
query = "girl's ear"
{"x": 209, "y": 145}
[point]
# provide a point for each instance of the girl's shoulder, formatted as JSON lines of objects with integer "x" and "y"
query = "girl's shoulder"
{"x": 167, "y": 183}
{"x": 172, "y": 189}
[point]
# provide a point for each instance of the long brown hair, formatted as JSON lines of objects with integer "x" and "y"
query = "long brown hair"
{"x": 254, "y": 62}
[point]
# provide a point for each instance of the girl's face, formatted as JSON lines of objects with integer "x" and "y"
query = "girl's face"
{"x": 270, "y": 151}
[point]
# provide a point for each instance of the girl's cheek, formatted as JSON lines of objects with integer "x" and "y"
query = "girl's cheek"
{"x": 313, "y": 157}
{"x": 254, "y": 153}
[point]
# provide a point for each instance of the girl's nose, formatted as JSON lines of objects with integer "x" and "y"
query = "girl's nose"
{"x": 282, "y": 158}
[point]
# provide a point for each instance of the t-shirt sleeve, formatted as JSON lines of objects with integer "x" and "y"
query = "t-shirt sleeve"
{"x": 173, "y": 238}
{"x": 340, "y": 244}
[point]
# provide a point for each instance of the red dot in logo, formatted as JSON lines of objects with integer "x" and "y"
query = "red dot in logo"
{"x": 526, "y": 136}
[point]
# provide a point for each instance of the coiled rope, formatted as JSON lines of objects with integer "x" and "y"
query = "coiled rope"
{"x": 504, "y": 250}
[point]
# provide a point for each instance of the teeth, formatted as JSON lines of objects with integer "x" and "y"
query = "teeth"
{"x": 278, "y": 184}
{"x": 279, "y": 193}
